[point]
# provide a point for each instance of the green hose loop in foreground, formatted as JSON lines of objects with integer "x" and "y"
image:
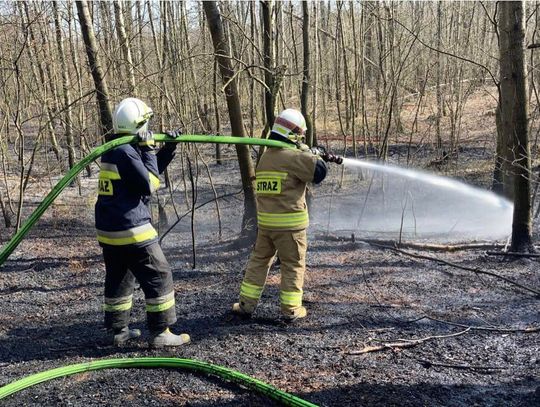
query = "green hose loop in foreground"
{"x": 149, "y": 362}
{"x": 99, "y": 151}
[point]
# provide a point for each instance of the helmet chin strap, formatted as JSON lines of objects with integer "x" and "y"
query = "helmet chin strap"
{"x": 296, "y": 138}
{"x": 143, "y": 127}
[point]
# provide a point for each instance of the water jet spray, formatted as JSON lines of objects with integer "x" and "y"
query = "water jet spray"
{"x": 399, "y": 202}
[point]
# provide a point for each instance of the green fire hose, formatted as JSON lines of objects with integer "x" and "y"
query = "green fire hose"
{"x": 174, "y": 363}
{"x": 192, "y": 365}
{"x": 99, "y": 151}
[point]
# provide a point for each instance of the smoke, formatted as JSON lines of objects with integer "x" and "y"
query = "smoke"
{"x": 386, "y": 201}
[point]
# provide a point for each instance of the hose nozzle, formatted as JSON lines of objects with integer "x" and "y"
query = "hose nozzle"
{"x": 332, "y": 158}
{"x": 327, "y": 156}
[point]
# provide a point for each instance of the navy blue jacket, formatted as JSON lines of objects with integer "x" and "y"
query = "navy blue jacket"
{"x": 128, "y": 176}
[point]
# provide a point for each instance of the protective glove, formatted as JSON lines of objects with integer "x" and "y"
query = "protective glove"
{"x": 302, "y": 146}
{"x": 173, "y": 134}
{"x": 146, "y": 139}
{"x": 320, "y": 151}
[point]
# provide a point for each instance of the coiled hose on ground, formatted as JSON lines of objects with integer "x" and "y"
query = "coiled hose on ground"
{"x": 149, "y": 362}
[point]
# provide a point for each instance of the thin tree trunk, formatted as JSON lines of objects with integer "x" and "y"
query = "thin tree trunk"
{"x": 124, "y": 44}
{"x": 316, "y": 73}
{"x": 247, "y": 172}
{"x": 268, "y": 54}
{"x": 216, "y": 113}
{"x": 66, "y": 86}
{"x": 94, "y": 64}
{"x": 42, "y": 81}
{"x": 304, "y": 95}
{"x": 165, "y": 24}
{"x": 140, "y": 24}
{"x": 158, "y": 53}
{"x": 5, "y": 213}
{"x": 253, "y": 56}
{"x": 83, "y": 145}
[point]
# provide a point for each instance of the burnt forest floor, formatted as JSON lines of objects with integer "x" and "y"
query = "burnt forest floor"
{"x": 358, "y": 297}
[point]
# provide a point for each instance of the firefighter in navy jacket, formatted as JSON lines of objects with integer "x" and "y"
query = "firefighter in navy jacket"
{"x": 128, "y": 176}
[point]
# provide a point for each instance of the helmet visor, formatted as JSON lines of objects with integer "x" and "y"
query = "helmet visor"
{"x": 144, "y": 118}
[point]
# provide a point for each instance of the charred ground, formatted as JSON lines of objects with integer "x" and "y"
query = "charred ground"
{"x": 357, "y": 295}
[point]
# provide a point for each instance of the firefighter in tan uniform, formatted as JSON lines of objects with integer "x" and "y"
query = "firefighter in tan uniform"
{"x": 282, "y": 217}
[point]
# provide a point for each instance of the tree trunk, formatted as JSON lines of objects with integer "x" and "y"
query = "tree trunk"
{"x": 66, "y": 86}
{"x": 165, "y": 112}
{"x": 5, "y": 213}
{"x": 254, "y": 59}
{"x": 316, "y": 74}
{"x": 304, "y": 96}
{"x": 124, "y": 44}
{"x": 502, "y": 181}
{"x": 268, "y": 54}
{"x": 141, "y": 51}
{"x": 221, "y": 47}
{"x": 80, "y": 115}
{"x": 216, "y": 113}
{"x": 105, "y": 113}
{"x": 513, "y": 103}
{"x": 41, "y": 81}
{"x": 439, "y": 76}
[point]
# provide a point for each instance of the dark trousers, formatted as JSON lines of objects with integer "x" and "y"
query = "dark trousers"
{"x": 147, "y": 265}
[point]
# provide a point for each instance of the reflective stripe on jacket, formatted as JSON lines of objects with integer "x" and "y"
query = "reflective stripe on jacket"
{"x": 128, "y": 176}
{"x": 280, "y": 185}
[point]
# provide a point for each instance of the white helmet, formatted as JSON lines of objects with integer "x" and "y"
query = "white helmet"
{"x": 290, "y": 124}
{"x": 131, "y": 116}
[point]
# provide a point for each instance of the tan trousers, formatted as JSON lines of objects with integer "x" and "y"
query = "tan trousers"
{"x": 291, "y": 247}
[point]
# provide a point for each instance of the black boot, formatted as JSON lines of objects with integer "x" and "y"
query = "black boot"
{"x": 122, "y": 335}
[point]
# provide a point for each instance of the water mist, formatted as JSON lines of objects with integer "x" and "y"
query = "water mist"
{"x": 392, "y": 202}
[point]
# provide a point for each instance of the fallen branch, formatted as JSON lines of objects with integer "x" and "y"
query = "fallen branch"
{"x": 448, "y": 263}
{"x": 514, "y": 254}
{"x": 482, "y": 328}
{"x": 404, "y": 343}
{"x": 449, "y": 248}
{"x": 429, "y": 363}
{"x": 417, "y": 246}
